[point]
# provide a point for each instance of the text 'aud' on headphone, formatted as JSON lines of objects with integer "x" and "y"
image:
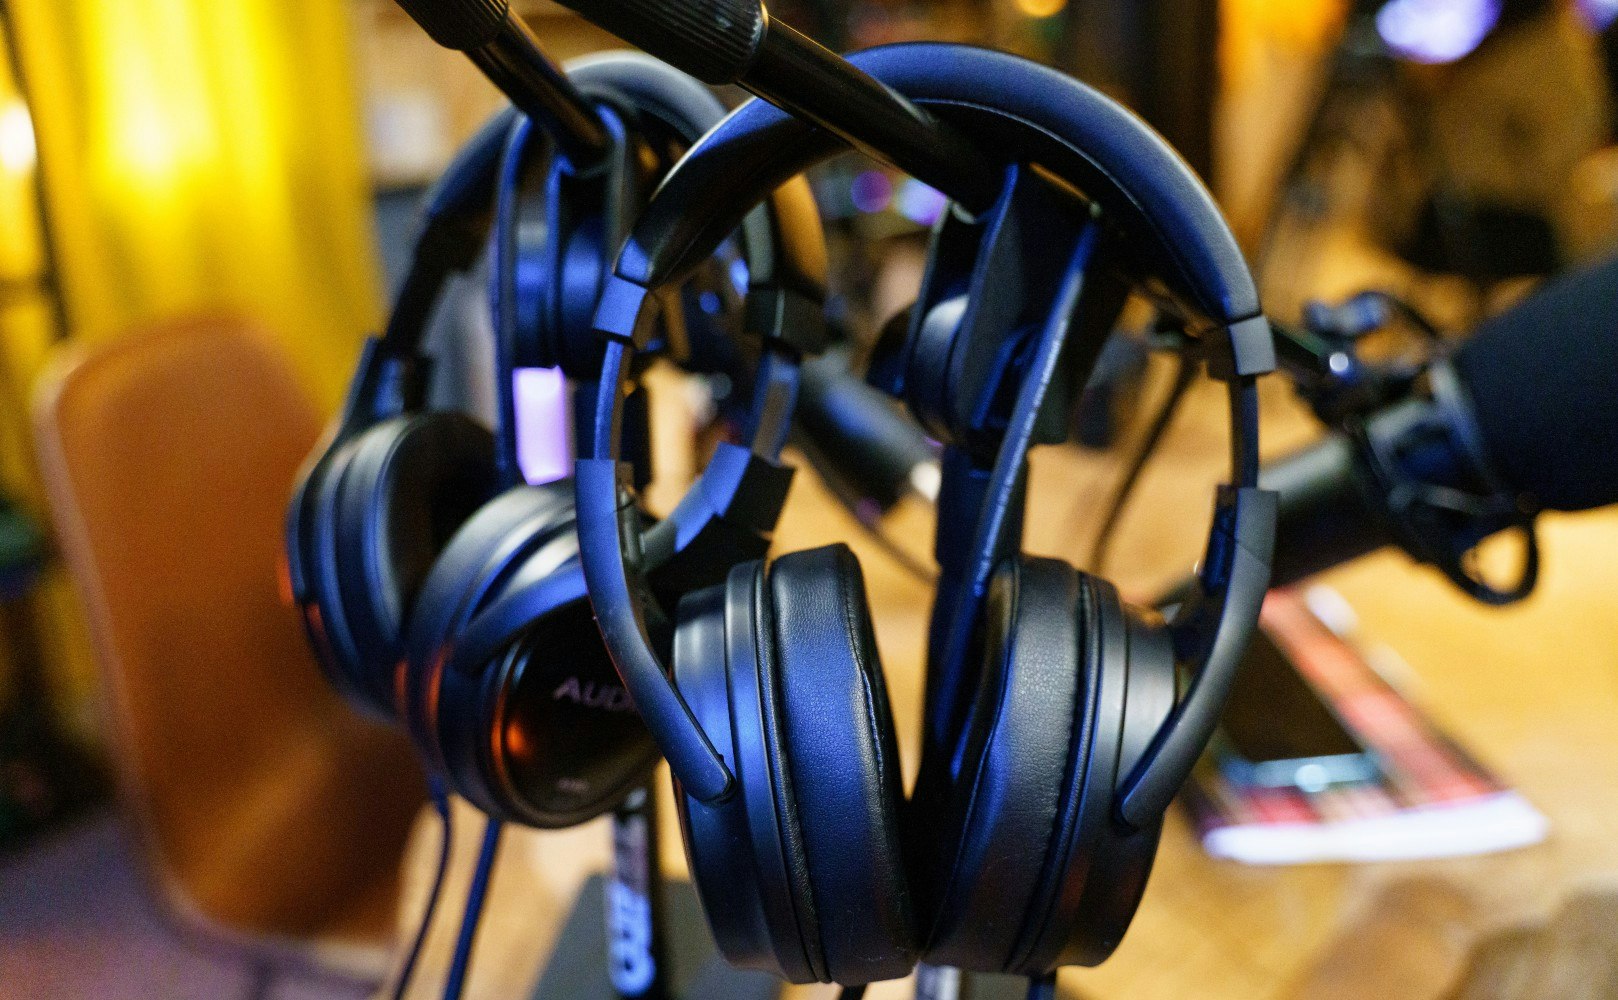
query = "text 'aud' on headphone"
{"x": 1046, "y": 773}
{"x": 435, "y": 585}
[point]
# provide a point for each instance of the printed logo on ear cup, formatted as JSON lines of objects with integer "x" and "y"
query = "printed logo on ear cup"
{"x": 590, "y": 694}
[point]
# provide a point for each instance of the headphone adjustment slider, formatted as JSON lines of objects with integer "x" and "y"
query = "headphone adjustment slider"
{"x": 627, "y": 312}
{"x": 1243, "y": 349}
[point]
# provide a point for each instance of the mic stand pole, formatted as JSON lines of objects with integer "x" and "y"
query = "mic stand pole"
{"x": 637, "y": 953}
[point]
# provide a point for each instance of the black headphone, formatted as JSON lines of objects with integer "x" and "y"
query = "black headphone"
{"x": 1034, "y": 825}
{"x": 436, "y": 585}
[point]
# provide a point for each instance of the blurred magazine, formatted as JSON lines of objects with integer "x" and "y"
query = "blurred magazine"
{"x": 1425, "y": 797}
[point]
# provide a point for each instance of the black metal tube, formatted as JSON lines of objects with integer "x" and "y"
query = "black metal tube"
{"x": 798, "y": 75}
{"x": 514, "y": 62}
{"x": 735, "y": 41}
{"x": 1327, "y": 513}
{"x": 500, "y": 44}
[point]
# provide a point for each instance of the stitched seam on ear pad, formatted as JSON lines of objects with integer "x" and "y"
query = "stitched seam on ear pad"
{"x": 1071, "y": 844}
{"x": 786, "y": 811}
{"x": 844, "y": 765}
{"x": 876, "y": 710}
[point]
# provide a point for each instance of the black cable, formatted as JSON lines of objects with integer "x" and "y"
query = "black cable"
{"x": 1183, "y": 377}
{"x": 474, "y": 910}
{"x": 851, "y": 992}
{"x": 440, "y": 800}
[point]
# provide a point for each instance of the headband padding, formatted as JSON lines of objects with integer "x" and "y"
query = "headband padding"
{"x": 1037, "y": 113}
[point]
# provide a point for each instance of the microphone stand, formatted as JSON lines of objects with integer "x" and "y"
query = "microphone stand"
{"x": 637, "y": 953}
{"x": 507, "y": 52}
{"x": 737, "y": 42}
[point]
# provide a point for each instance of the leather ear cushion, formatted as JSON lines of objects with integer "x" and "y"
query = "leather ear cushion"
{"x": 301, "y": 536}
{"x": 838, "y": 764}
{"x": 740, "y": 852}
{"x": 410, "y": 484}
{"x": 478, "y": 560}
{"x": 323, "y": 607}
{"x": 993, "y": 827}
{"x": 1095, "y": 881}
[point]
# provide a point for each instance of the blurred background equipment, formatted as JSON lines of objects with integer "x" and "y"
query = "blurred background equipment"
{"x": 1321, "y": 758}
{"x": 47, "y": 777}
{"x": 1453, "y": 136}
{"x": 1517, "y": 421}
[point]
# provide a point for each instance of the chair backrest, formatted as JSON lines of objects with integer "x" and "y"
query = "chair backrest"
{"x": 169, "y": 457}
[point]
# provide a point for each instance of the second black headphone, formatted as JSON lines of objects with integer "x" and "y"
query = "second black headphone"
{"x": 1046, "y": 773}
{"x": 438, "y": 587}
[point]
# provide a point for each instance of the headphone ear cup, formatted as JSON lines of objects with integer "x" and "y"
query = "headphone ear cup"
{"x": 545, "y": 739}
{"x": 1027, "y": 865}
{"x": 1095, "y": 885}
{"x": 515, "y": 701}
{"x": 802, "y": 870}
{"x": 840, "y": 760}
{"x": 323, "y": 609}
{"x": 985, "y": 836}
{"x": 408, "y": 485}
{"x": 476, "y": 562}
{"x": 733, "y": 846}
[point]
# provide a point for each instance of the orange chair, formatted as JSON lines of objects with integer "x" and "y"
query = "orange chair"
{"x": 267, "y": 807}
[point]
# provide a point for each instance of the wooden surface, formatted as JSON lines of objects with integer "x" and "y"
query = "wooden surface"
{"x": 1531, "y": 690}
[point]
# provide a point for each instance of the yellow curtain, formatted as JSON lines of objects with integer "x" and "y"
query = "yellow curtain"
{"x": 206, "y": 154}
{"x": 197, "y": 156}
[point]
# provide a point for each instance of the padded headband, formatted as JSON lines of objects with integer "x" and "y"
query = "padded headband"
{"x": 1089, "y": 140}
{"x": 1147, "y": 192}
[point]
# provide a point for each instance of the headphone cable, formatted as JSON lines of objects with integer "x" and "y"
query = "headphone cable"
{"x": 474, "y": 910}
{"x": 440, "y": 801}
{"x": 1042, "y": 987}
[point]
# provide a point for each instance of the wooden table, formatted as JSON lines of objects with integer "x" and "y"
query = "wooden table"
{"x": 1531, "y": 690}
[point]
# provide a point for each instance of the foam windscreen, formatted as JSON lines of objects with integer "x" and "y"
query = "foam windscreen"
{"x": 1543, "y": 377}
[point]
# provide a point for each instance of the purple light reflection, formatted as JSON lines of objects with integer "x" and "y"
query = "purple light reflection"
{"x": 1598, "y": 14}
{"x": 871, "y": 191}
{"x": 1436, "y": 31}
{"x": 544, "y": 443}
{"x": 920, "y": 203}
